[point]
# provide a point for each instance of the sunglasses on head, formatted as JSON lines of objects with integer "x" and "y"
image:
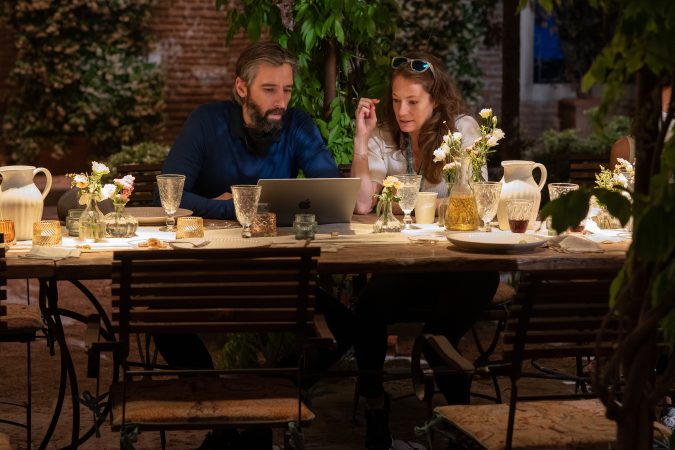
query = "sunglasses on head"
{"x": 416, "y": 65}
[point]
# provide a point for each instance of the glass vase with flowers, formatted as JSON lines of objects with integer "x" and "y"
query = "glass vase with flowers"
{"x": 118, "y": 223}
{"x": 386, "y": 221}
{"x": 622, "y": 179}
{"x": 91, "y": 191}
{"x": 464, "y": 164}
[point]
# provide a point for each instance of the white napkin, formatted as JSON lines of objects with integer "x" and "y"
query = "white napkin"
{"x": 572, "y": 243}
{"x": 54, "y": 253}
{"x": 599, "y": 235}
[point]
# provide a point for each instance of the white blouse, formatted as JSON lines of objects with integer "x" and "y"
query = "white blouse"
{"x": 385, "y": 157}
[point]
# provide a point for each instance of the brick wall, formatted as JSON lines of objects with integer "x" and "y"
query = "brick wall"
{"x": 198, "y": 65}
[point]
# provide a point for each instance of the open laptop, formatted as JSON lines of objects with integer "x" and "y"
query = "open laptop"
{"x": 331, "y": 200}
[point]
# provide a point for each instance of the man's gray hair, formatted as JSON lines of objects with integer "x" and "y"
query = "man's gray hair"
{"x": 263, "y": 52}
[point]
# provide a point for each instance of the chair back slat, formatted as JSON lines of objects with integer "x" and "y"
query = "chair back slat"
{"x": 559, "y": 315}
{"x": 144, "y": 183}
{"x": 214, "y": 290}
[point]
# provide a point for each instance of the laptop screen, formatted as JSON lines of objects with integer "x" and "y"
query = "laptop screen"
{"x": 331, "y": 200}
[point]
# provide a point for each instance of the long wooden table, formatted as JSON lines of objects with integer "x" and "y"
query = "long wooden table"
{"x": 351, "y": 258}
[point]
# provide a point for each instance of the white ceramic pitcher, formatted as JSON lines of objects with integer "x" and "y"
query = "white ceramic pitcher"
{"x": 20, "y": 200}
{"x": 519, "y": 184}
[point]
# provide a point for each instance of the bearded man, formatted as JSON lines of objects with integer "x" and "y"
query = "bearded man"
{"x": 256, "y": 136}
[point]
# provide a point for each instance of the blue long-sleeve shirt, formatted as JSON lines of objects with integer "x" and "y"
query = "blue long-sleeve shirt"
{"x": 212, "y": 153}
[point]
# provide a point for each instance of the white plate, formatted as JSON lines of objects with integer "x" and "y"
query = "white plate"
{"x": 496, "y": 242}
{"x": 153, "y": 215}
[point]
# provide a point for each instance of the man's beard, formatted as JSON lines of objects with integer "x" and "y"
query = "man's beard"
{"x": 260, "y": 119}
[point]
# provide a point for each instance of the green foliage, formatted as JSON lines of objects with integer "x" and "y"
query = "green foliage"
{"x": 571, "y": 208}
{"x": 553, "y": 148}
{"x": 143, "y": 153}
{"x": 360, "y": 31}
{"x": 643, "y": 48}
{"x": 451, "y": 31}
{"x": 80, "y": 71}
{"x": 247, "y": 350}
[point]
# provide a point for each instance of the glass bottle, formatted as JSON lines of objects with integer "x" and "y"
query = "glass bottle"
{"x": 119, "y": 224}
{"x": 386, "y": 222}
{"x": 462, "y": 214}
{"x": 92, "y": 222}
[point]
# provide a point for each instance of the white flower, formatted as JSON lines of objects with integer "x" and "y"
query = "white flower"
{"x": 492, "y": 141}
{"x": 498, "y": 133}
{"x": 125, "y": 182}
{"x": 485, "y": 113}
{"x": 457, "y": 136}
{"x": 439, "y": 154}
{"x": 107, "y": 191}
{"x": 446, "y": 139}
{"x": 81, "y": 181}
{"x": 99, "y": 168}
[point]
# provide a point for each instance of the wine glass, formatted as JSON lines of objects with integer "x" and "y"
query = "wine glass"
{"x": 246, "y": 198}
{"x": 410, "y": 186}
{"x": 487, "y": 200}
{"x": 170, "y": 187}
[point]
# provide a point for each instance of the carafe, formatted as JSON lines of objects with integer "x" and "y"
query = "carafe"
{"x": 518, "y": 184}
{"x": 20, "y": 200}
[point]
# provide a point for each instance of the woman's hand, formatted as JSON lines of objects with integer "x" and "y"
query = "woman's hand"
{"x": 366, "y": 119}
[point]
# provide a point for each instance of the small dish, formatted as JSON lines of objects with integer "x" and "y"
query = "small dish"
{"x": 149, "y": 244}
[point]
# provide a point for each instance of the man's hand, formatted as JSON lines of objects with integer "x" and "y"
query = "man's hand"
{"x": 224, "y": 196}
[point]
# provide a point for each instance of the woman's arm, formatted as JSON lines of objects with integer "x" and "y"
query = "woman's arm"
{"x": 366, "y": 121}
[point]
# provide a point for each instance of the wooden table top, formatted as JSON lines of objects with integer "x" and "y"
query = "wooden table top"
{"x": 362, "y": 257}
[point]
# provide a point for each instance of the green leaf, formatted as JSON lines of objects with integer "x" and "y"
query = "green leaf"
{"x": 569, "y": 210}
{"x": 654, "y": 235}
{"x": 617, "y": 204}
{"x": 339, "y": 32}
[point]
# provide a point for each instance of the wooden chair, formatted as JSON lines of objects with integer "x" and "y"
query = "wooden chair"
{"x": 583, "y": 168}
{"x": 213, "y": 291}
{"x": 554, "y": 315}
{"x": 19, "y": 324}
{"x": 144, "y": 183}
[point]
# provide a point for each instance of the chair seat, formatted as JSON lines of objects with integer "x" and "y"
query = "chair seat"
{"x": 233, "y": 400}
{"x": 22, "y": 317}
{"x": 541, "y": 424}
{"x": 4, "y": 442}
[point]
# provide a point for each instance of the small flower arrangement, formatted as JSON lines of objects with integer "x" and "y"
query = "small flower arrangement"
{"x": 90, "y": 185}
{"x": 387, "y": 196}
{"x": 123, "y": 188}
{"x": 451, "y": 152}
{"x": 623, "y": 176}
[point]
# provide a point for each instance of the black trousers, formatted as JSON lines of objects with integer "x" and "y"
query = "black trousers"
{"x": 187, "y": 351}
{"x": 448, "y": 303}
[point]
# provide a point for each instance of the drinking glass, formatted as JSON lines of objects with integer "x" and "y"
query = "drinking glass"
{"x": 425, "y": 207}
{"x": 47, "y": 233}
{"x": 170, "y": 192}
{"x": 7, "y": 229}
{"x": 189, "y": 227}
{"x": 410, "y": 186}
{"x": 518, "y": 212}
{"x": 487, "y": 200}
{"x": 557, "y": 190}
{"x": 246, "y": 205}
